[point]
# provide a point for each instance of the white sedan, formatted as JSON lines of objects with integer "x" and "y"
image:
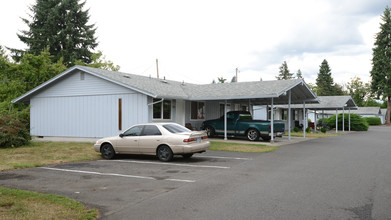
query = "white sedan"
{"x": 161, "y": 139}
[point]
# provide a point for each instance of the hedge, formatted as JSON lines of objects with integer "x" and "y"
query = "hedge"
{"x": 373, "y": 120}
{"x": 357, "y": 122}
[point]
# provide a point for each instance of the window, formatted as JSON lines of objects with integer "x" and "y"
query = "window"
{"x": 197, "y": 110}
{"x": 162, "y": 110}
{"x": 245, "y": 117}
{"x": 174, "y": 128}
{"x": 151, "y": 130}
{"x": 230, "y": 116}
{"x": 134, "y": 131}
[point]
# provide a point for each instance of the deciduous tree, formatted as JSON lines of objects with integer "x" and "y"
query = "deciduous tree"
{"x": 358, "y": 90}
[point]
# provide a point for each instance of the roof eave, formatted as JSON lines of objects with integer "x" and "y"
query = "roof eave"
{"x": 59, "y": 76}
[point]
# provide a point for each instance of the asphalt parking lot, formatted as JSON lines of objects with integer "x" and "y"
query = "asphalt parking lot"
{"x": 126, "y": 180}
{"x": 342, "y": 177}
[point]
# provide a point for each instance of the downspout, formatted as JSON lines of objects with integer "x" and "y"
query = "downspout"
{"x": 156, "y": 102}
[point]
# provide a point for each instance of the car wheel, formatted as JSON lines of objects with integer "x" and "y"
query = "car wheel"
{"x": 107, "y": 151}
{"x": 187, "y": 156}
{"x": 210, "y": 131}
{"x": 164, "y": 153}
{"x": 266, "y": 138}
{"x": 252, "y": 134}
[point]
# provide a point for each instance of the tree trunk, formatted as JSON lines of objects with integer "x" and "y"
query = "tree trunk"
{"x": 388, "y": 110}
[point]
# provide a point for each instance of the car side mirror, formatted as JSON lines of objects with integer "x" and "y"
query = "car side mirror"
{"x": 121, "y": 135}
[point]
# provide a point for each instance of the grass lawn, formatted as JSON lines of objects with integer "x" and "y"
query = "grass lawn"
{"x": 20, "y": 204}
{"x": 43, "y": 153}
{"x": 252, "y": 148}
{"x": 314, "y": 135}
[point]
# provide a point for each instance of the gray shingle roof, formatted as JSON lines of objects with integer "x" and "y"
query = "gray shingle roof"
{"x": 259, "y": 92}
{"x": 367, "y": 110}
{"x": 329, "y": 103}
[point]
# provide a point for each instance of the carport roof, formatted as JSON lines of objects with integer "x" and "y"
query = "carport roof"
{"x": 259, "y": 92}
{"x": 328, "y": 103}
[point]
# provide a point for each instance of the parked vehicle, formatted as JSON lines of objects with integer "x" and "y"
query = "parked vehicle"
{"x": 241, "y": 123}
{"x": 161, "y": 139}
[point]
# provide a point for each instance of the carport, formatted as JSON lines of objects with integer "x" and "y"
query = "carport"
{"x": 277, "y": 92}
{"x": 329, "y": 103}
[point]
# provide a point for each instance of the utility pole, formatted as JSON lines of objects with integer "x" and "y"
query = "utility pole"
{"x": 157, "y": 68}
{"x": 236, "y": 74}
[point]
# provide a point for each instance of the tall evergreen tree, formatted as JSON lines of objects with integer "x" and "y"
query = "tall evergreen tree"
{"x": 61, "y": 27}
{"x": 284, "y": 72}
{"x": 381, "y": 62}
{"x": 299, "y": 75}
{"x": 324, "y": 81}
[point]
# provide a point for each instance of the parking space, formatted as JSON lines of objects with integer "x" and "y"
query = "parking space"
{"x": 106, "y": 184}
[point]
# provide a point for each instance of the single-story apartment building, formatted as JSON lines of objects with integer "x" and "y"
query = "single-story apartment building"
{"x": 90, "y": 102}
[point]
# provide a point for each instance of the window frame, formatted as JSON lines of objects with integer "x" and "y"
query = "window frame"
{"x": 162, "y": 113}
{"x": 198, "y": 107}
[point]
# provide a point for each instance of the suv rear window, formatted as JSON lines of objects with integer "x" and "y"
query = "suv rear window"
{"x": 174, "y": 128}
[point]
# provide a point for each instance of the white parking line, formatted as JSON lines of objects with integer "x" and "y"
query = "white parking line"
{"x": 116, "y": 174}
{"x": 232, "y": 158}
{"x": 167, "y": 164}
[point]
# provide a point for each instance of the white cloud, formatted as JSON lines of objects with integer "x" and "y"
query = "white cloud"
{"x": 198, "y": 41}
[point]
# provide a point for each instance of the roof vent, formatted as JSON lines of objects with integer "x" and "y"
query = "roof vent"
{"x": 164, "y": 80}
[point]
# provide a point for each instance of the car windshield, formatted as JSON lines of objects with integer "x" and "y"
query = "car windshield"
{"x": 175, "y": 128}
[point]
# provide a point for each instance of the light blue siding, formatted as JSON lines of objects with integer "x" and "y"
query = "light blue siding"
{"x": 85, "y": 108}
{"x": 72, "y": 85}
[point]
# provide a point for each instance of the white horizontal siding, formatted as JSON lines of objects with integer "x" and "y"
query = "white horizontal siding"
{"x": 86, "y": 116}
{"x": 72, "y": 85}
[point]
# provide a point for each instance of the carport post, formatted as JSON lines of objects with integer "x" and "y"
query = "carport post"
{"x": 315, "y": 121}
{"x": 336, "y": 120}
{"x": 349, "y": 119}
{"x": 304, "y": 118}
{"x": 272, "y": 122}
{"x": 289, "y": 115}
{"x": 343, "y": 119}
{"x": 225, "y": 120}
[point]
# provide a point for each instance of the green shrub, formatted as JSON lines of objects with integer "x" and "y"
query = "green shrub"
{"x": 323, "y": 130}
{"x": 322, "y": 123}
{"x": 308, "y": 129}
{"x": 357, "y": 123}
{"x": 14, "y": 128}
{"x": 373, "y": 120}
{"x": 296, "y": 129}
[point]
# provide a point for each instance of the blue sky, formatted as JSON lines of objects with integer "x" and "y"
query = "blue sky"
{"x": 198, "y": 41}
